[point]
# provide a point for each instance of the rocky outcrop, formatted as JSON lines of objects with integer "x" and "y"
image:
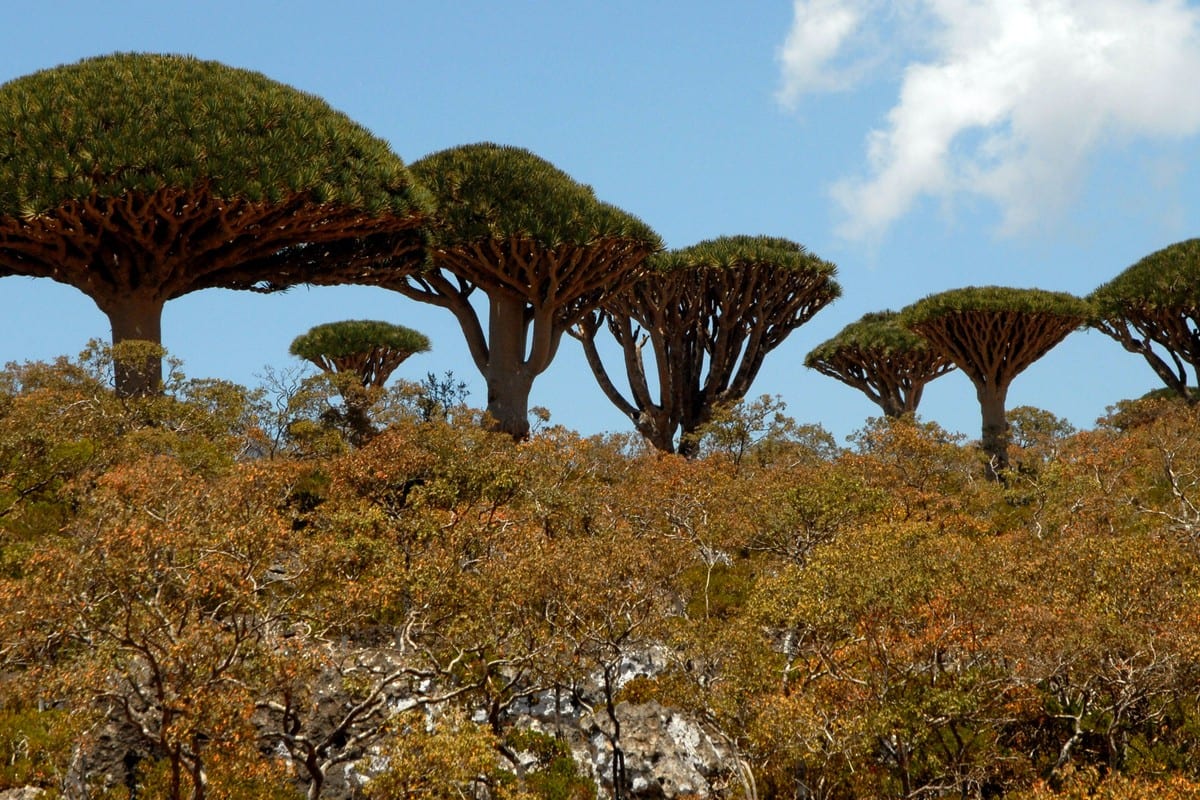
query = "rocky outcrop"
{"x": 666, "y": 754}
{"x": 661, "y": 753}
{"x": 24, "y": 793}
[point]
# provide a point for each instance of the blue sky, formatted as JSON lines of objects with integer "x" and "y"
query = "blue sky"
{"x": 921, "y": 145}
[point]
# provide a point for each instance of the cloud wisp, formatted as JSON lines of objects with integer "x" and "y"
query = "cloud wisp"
{"x": 1004, "y": 99}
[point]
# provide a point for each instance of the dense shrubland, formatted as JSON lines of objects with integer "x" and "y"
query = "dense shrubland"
{"x": 180, "y": 573}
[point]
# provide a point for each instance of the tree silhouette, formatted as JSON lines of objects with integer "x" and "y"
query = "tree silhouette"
{"x": 540, "y": 246}
{"x": 992, "y": 334}
{"x": 359, "y": 355}
{"x": 366, "y": 349}
{"x": 1154, "y": 306}
{"x": 883, "y": 360}
{"x": 711, "y": 313}
{"x": 139, "y": 178}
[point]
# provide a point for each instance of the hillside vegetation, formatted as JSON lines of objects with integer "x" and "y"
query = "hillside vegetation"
{"x": 183, "y": 578}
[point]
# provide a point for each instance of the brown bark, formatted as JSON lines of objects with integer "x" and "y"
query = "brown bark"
{"x": 372, "y": 367}
{"x": 535, "y": 293}
{"x": 709, "y": 330}
{"x": 135, "y": 318}
{"x": 181, "y": 240}
{"x": 992, "y": 348}
{"x": 122, "y": 251}
{"x": 509, "y": 374}
{"x": 894, "y": 381}
{"x": 1175, "y": 330}
{"x": 994, "y": 439}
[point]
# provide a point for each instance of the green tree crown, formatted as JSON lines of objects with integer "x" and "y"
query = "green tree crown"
{"x": 994, "y": 299}
{"x": 488, "y": 191}
{"x": 1167, "y": 278}
{"x": 725, "y": 252}
{"x": 350, "y": 337}
{"x": 877, "y": 331}
{"x": 140, "y": 122}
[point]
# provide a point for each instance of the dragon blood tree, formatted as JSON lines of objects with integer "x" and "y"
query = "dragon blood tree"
{"x": 710, "y": 313}
{"x": 139, "y": 178}
{"x": 886, "y": 362}
{"x": 1153, "y": 308}
{"x": 992, "y": 334}
{"x": 367, "y": 349}
{"x": 538, "y": 245}
{"x": 360, "y": 355}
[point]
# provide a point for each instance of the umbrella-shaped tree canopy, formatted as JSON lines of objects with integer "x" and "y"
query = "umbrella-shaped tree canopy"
{"x": 539, "y": 244}
{"x": 138, "y": 178}
{"x": 885, "y": 361}
{"x": 711, "y": 313}
{"x": 1153, "y": 309}
{"x": 993, "y": 333}
{"x": 368, "y": 349}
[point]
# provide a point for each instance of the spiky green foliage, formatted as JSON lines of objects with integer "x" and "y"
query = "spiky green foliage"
{"x": 351, "y": 337}
{"x": 368, "y": 350}
{"x": 882, "y": 359}
{"x": 497, "y": 192}
{"x": 712, "y": 312}
{"x": 726, "y": 252}
{"x": 141, "y": 122}
{"x": 1153, "y": 309}
{"x": 994, "y": 299}
{"x": 877, "y": 331}
{"x": 1166, "y": 279}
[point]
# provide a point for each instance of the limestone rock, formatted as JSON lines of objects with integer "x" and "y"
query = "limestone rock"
{"x": 666, "y": 754}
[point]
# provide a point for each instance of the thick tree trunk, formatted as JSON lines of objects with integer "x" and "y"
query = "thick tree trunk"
{"x": 135, "y": 318}
{"x": 689, "y": 444}
{"x": 509, "y": 377}
{"x": 892, "y": 403}
{"x": 656, "y": 428}
{"x": 995, "y": 430}
{"x": 358, "y": 420}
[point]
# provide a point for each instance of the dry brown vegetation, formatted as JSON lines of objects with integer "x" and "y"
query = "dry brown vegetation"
{"x": 874, "y": 621}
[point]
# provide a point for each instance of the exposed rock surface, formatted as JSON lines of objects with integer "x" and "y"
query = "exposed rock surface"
{"x": 666, "y": 753}
{"x": 24, "y": 793}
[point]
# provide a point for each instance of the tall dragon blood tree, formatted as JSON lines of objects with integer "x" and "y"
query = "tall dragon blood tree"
{"x": 1153, "y": 309}
{"x": 886, "y": 362}
{"x": 710, "y": 314}
{"x": 538, "y": 245}
{"x": 139, "y": 178}
{"x": 993, "y": 334}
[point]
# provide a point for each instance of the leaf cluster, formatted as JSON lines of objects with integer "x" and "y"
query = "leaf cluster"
{"x": 489, "y": 192}
{"x": 140, "y": 122}
{"x": 994, "y": 300}
{"x": 870, "y": 622}
{"x": 731, "y": 252}
{"x": 1166, "y": 279}
{"x": 351, "y": 337}
{"x": 878, "y": 332}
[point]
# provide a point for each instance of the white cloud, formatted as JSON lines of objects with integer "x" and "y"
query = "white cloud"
{"x": 821, "y": 29}
{"x": 1011, "y": 99}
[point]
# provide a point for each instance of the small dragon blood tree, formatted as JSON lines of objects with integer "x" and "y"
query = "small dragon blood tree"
{"x": 138, "y": 178}
{"x": 360, "y": 355}
{"x": 888, "y": 363}
{"x": 993, "y": 334}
